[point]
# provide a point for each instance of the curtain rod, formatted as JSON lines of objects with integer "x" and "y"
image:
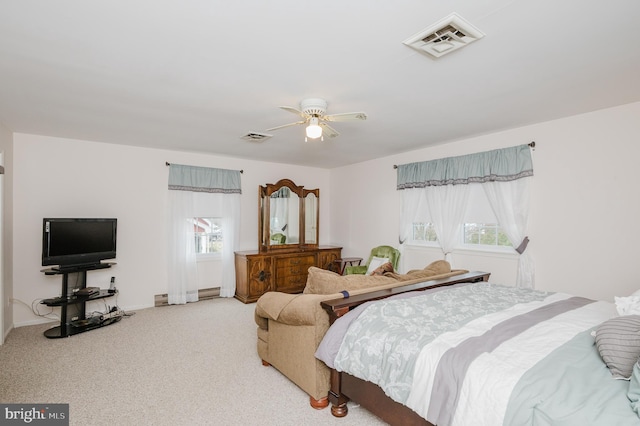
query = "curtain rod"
{"x": 168, "y": 164}
{"x": 531, "y": 144}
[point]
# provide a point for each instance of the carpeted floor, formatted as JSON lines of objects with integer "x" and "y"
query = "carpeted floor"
{"x": 193, "y": 364}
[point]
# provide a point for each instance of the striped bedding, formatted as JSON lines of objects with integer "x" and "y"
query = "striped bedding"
{"x": 484, "y": 354}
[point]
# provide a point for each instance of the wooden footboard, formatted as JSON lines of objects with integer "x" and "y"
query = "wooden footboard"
{"x": 338, "y": 307}
{"x": 345, "y": 387}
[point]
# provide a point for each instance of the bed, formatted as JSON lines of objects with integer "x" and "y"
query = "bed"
{"x": 483, "y": 354}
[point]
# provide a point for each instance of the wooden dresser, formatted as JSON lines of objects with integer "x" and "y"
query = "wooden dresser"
{"x": 284, "y": 270}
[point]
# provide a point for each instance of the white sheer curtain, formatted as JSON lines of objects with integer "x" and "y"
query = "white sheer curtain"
{"x": 444, "y": 206}
{"x": 231, "y": 234}
{"x": 280, "y": 208}
{"x": 182, "y": 268}
{"x": 447, "y": 205}
{"x": 227, "y": 208}
{"x": 510, "y": 203}
{"x": 410, "y": 201}
{"x": 200, "y": 192}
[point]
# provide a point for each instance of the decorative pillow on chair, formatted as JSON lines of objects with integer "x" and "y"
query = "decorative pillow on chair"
{"x": 375, "y": 263}
{"x": 618, "y": 341}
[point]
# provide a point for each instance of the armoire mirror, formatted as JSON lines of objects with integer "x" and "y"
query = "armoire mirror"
{"x": 287, "y": 216}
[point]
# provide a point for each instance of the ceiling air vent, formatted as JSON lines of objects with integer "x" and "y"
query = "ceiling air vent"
{"x": 445, "y": 36}
{"x": 255, "y": 137}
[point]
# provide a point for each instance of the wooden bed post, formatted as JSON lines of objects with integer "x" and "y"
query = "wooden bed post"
{"x": 337, "y": 399}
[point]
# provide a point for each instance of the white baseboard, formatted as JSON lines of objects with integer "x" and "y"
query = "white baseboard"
{"x": 36, "y": 321}
{"x": 203, "y": 294}
{"x": 6, "y": 333}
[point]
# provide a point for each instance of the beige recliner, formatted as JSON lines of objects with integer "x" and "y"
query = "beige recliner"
{"x": 291, "y": 326}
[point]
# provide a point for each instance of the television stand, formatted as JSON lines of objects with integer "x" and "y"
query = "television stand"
{"x": 72, "y": 307}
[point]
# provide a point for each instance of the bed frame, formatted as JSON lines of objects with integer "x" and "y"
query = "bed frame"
{"x": 345, "y": 387}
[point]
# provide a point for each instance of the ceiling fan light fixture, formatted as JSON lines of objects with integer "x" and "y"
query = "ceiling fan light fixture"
{"x": 313, "y": 131}
{"x": 312, "y": 112}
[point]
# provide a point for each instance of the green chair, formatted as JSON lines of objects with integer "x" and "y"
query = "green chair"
{"x": 278, "y": 238}
{"x": 387, "y": 252}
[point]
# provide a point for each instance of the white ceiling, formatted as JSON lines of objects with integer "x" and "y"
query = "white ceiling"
{"x": 196, "y": 75}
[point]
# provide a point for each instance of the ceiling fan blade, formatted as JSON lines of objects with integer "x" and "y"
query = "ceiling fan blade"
{"x": 329, "y": 131}
{"x": 347, "y": 116}
{"x": 295, "y": 111}
{"x": 286, "y": 125}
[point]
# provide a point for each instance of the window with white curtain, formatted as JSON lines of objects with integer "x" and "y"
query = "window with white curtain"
{"x": 440, "y": 192}
{"x": 480, "y": 229}
{"x": 204, "y": 193}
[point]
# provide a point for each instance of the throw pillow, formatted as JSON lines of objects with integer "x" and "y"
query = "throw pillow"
{"x": 375, "y": 263}
{"x": 434, "y": 268}
{"x": 627, "y": 305}
{"x": 438, "y": 267}
{"x": 618, "y": 342}
{"x": 321, "y": 281}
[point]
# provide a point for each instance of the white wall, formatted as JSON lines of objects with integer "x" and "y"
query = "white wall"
{"x": 6, "y": 233}
{"x": 585, "y": 203}
{"x": 584, "y": 206}
{"x": 57, "y": 177}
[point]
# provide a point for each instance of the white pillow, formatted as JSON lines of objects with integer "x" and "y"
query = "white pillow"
{"x": 375, "y": 263}
{"x": 627, "y": 305}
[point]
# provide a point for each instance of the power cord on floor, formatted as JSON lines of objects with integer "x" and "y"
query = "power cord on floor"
{"x": 34, "y": 309}
{"x": 35, "y": 304}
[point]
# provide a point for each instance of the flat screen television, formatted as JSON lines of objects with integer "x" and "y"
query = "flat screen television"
{"x": 78, "y": 243}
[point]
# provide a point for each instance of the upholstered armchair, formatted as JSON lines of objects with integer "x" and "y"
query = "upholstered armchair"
{"x": 380, "y": 252}
{"x": 278, "y": 238}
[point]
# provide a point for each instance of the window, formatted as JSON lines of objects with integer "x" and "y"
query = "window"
{"x": 480, "y": 229}
{"x": 208, "y": 235}
{"x": 423, "y": 233}
{"x": 476, "y": 234}
{"x": 487, "y": 234}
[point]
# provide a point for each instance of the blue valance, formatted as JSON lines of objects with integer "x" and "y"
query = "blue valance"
{"x": 505, "y": 164}
{"x": 204, "y": 179}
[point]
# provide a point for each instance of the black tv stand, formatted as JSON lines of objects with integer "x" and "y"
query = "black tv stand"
{"x": 55, "y": 270}
{"x": 72, "y": 307}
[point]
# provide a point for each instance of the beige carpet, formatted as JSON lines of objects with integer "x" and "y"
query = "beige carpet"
{"x": 194, "y": 364}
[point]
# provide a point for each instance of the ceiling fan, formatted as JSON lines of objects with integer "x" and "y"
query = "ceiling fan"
{"x": 312, "y": 111}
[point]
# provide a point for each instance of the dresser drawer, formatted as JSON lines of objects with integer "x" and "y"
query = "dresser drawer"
{"x": 292, "y": 281}
{"x": 293, "y": 266}
{"x": 292, "y": 271}
{"x": 296, "y": 262}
